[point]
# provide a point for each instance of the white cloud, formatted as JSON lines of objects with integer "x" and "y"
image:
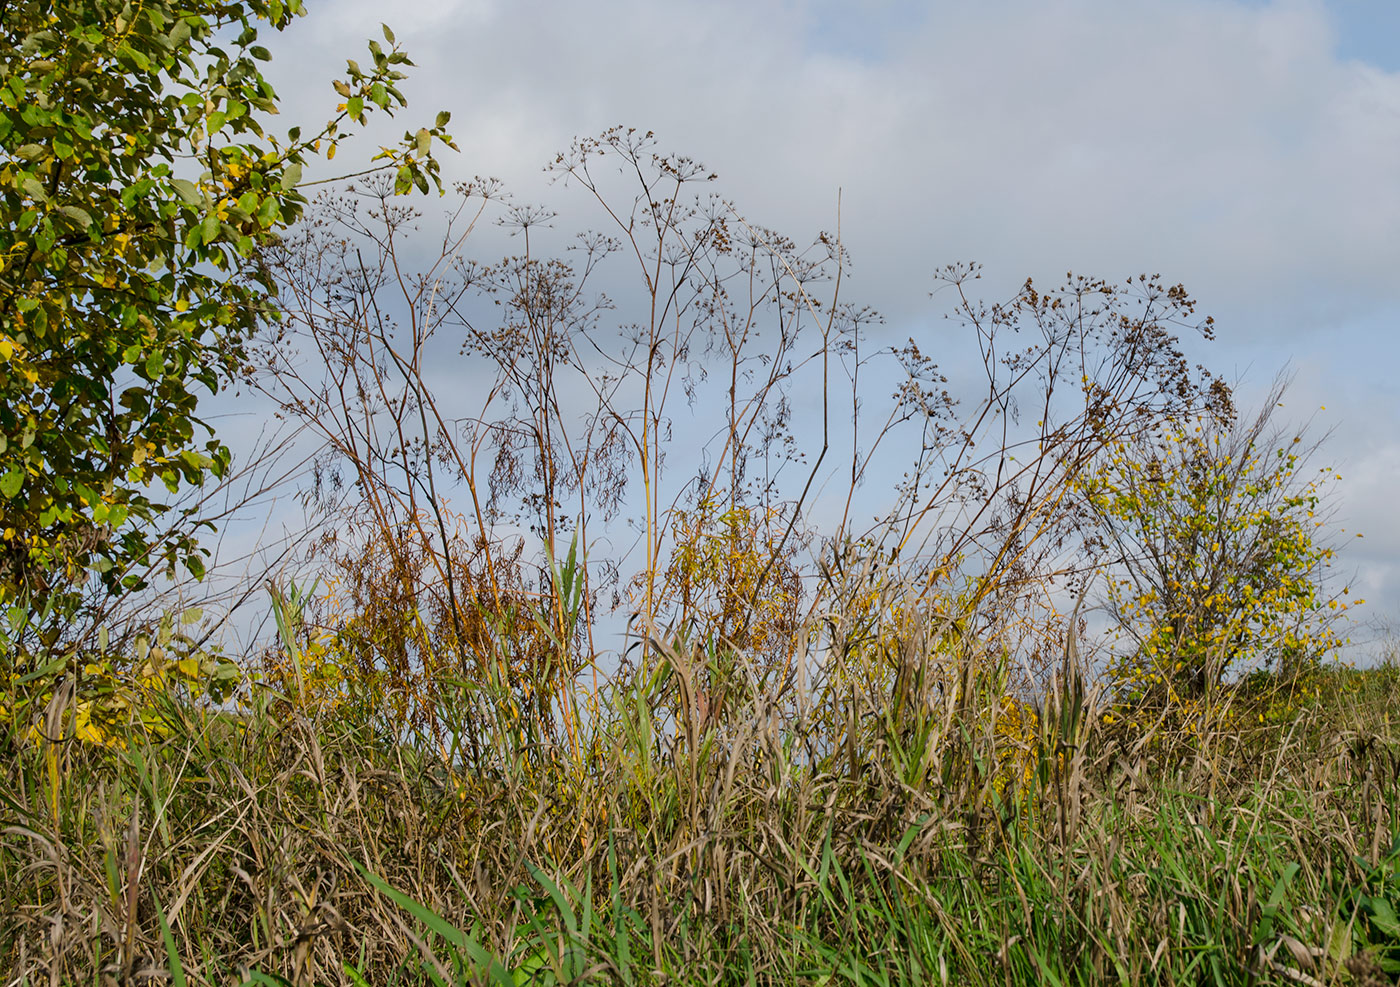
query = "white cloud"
{"x": 1225, "y": 145}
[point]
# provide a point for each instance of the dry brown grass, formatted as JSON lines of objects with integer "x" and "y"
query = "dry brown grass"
{"x": 789, "y": 834}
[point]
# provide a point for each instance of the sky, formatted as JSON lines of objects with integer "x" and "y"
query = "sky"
{"x": 1249, "y": 150}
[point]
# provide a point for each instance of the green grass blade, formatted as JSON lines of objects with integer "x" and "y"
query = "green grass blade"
{"x": 495, "y": 970}
{"x": 177, "y": 972}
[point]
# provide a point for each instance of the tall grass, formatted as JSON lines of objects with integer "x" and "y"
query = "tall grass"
{"x": 781, "y": 840}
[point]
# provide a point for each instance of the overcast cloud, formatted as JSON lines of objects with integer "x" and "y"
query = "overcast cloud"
{"x": 1248, "y": 150}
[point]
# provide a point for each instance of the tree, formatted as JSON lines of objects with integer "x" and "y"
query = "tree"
{"x": 138, "y": 184}
{"x": 1216, "y": 564}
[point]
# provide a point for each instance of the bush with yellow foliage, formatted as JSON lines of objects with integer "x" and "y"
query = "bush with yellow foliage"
{"x": 1215, "y": 556}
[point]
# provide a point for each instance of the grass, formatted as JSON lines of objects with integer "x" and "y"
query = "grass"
{"x": 774, "y": 842}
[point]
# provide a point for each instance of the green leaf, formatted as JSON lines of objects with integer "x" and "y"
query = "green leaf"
{"x": 44, "y": 240}
{"x": 197, "y": 460}
{"x": 1383, "y": 917}
{"x": 442, "y": 118}
{"x": 77, "y": 215}
{"x": 355, "y": 106}
{"x": 291, "y": 176}
{"x": 34, "y": 188}
{"x": 11, "y": 482}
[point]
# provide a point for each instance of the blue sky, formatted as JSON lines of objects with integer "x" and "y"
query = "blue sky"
{"x": 1368, "y": 30}
{"x": 1365, "y": 30}
{"x": 1250, "y": 150}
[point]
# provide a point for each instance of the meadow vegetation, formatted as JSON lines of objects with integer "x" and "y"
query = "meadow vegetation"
{"x": 1023, "y": 670}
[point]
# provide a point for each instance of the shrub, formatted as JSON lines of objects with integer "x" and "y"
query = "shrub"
{"x": 1216, "y": 560}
